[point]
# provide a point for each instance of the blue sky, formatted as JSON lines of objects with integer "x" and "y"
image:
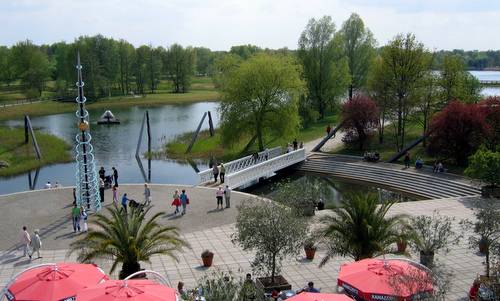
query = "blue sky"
{"x": 219, "y": 24}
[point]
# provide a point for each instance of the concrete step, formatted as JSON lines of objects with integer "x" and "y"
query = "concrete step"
{"x": 400, "y": 176}
{"x": 409, "y": 182}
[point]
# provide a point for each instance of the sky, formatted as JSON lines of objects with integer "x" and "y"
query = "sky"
{"x": 220, "y": 24}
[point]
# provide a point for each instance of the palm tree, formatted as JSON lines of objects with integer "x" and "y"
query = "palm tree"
{"x": 127, "y": 238}
{"x": 359, "y": 228}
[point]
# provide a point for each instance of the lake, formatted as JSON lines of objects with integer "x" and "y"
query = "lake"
{"x": 488, "y": 75}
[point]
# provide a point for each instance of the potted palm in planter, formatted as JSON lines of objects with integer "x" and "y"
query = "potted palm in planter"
{"x": 207, "y": 257}
{"x": 403, "y": 231}
{"x": 432, "y": 234}
{"x": 274, "y": 232}
{"x": 310, "y": 249}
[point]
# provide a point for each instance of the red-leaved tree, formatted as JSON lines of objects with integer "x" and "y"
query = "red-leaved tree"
{"x": 457, "y": 131}
{"x": 360, "y": 116}
{"x": 491, "y": 109}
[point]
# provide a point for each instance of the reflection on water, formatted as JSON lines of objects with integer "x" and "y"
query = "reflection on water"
{"x": 115, "y": 145}
{"x": 332, "y": 190}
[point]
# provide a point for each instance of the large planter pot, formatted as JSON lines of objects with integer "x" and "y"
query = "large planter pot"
{"x": 427, "y": 258}
{"x": 310, "y": 252}
{"x": 402, "y": 246}
{"x": 207, "y": 260}
{"x": 490, "y": 191}
{"x": 266, "y": 285}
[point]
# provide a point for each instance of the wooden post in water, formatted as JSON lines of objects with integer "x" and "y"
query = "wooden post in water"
{"x": 26, "y": 135}
{"x": 140, "y": 137}
{"x": 211, "y": 125}
{"x": 149, "y": 146}
{"x": 195, "y": 135}
{"x": 33, "y": 138}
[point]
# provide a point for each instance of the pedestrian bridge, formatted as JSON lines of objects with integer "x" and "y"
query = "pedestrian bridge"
{"x": 251, "y": 168}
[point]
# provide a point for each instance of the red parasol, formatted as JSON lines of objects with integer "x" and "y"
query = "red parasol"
{"x": 319, "y": 297}
{"x": 387, "y": 280}
{"x": 128, "y": 290}
{"x": 51, "y": 282}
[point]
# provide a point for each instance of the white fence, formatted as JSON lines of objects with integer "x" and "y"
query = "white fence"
{"x": 240, "y": 164}
{"x": 265, "y": 168}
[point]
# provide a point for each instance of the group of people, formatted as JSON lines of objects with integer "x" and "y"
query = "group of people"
{"x": 219, "y": 170}
{"x": 179, "y": 200}
{"x": 49, "y": 185}
{"x": 79, "y": 218}
{"x": 31, "y": 244}
{"x": 221, "y": 194}
{"x": 294, "y": 145}
{"x": 419, "y": 164}
{"x": 371, "y": 156}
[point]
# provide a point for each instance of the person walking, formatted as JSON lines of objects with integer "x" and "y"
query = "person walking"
{"x": 124, "y": 202}
{"x": 75, "y": 217}
{"x": 36, "y": 244}
{"x": 219, "y": 194}
{"x": 147, "y": 194}
{"x": 295, "y": 144}
{"x": 101, "y": 189}
{"x": 177, "y": 201}
{"x": 222, "y": 172}
{"x": 48, "y": 185}
{"x": 83, "y": 218}
{"x": 102, "y": 173}
{"x": 115, "y": 175}
{"x": 115, "y": 194}
{"x": 227, "y": 196}
{"x": 328, "y": 130}
{"x": 184, "y": 201}
{"x": 407, "y": 160}
{"x": 74, "y": 196}
{"x": 25, "y": 241}
{"x": 215, "y": 171}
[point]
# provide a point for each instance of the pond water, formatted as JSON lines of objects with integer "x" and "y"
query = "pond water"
{"x": 488, "y": 75}
{"x": 331, "y": 189}
{"x": 115, "y": 145}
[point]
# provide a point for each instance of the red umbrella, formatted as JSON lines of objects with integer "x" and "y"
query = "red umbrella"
{"x": 377, "y": 279}
{"x": 53, "y": 282}
{"x": 319, "y": 297}
{"x": 129, "y": 290}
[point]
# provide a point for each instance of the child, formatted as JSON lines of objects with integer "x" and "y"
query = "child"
{"x": 177, "y": 201}
{"x": 84, "y": 216}
{"x": 115, "y": 194}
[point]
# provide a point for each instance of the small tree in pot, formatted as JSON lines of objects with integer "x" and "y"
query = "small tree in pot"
{"x": 310, "y": 248}
{"x": 431, "y": 234}
{"x": 207, "y": 257}
{"x": 486, "y": 229}
{"x": 274, "y": 232}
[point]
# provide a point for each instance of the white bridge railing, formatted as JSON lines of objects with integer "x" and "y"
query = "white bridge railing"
{"x": 265, "y": 169}
{"x": 240, "y": 164}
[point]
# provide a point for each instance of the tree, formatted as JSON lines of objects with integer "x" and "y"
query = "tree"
{"x": 6, "y": 66}
{"x": 259, "y": 97}
{"x": 272, "y": 230}
{"x": 486, "y": 228}
{"x": 406, "y": 61}
{"x": 359, "y": 228}
{"x": 126, "y": 58}
{"x": 140, "y": 69}
{"x": 32, "y": 66}
{"x": 484, "y": 164}
{"x": 360, "y": 116}
{"x": 180, "y": 67}
{"x": 204, "y": 60}
{"x": 325, "y": 67}
{"x": 456, "y": 83}
{"x": 245, "y": 51}
{"x": 127, "y": 238}
{"x": 154, "y": 67}
{"x": 432, "y": 234}
{"x": 379, "y": 82}
{"x": 457, "y": 132}
{"x": 426, "y": 101}
{"x": 359, "y": 49}
{"x": 491, "y": 109}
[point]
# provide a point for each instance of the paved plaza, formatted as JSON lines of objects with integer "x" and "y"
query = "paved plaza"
{"x": 204, "y": 228}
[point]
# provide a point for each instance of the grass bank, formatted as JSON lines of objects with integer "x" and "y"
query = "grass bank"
{"x": 387, "y": 149}
{"x": 206, "y": 146}
{"x": 202, "y": 89}
{"x": 21, "y": 157}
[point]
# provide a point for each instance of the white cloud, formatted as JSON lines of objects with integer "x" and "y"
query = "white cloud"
{"x": 219, "y": 24}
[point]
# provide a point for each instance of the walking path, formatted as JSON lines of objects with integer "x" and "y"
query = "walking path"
{"x": 204, "y": 228}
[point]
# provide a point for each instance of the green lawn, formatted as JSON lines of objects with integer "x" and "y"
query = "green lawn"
{"x": 206, "y": 146}
{"x": 21, "y": 157}
{"x": 202, "y": 89}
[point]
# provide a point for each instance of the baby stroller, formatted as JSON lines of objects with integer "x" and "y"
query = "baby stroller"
{"x": 137, "y": 205}
{"x": 108, "y": 182}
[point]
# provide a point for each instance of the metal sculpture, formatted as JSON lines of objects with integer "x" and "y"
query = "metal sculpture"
{"x": 87, "y": 184}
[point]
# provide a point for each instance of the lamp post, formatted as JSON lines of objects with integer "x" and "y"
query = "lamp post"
{"x": 87, "y": 185}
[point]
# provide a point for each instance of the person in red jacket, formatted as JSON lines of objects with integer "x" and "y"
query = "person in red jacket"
{"x": 474, "y": 291}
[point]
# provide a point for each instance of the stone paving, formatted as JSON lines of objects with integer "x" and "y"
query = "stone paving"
{"x": 205, "y": 228}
